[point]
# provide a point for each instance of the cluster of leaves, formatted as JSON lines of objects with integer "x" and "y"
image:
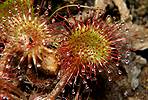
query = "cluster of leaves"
{"x": 62, "y": 56}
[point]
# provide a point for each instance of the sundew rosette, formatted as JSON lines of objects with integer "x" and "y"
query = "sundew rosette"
{"x": 91, "y": 46}
{"x": 26, "y": 36}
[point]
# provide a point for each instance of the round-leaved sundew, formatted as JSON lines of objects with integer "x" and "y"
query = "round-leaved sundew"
{"x": 90, "y": 46}
{"x": 26, "y": 36}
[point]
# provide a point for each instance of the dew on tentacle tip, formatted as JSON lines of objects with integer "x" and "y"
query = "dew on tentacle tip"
{"x": 108, "y": 71}
{"x": 38, "y": 7}
{"x": 87, "y": 77}
{"x": 117, "y": 64}
{"x": 38, "y": 65}
{"x": 70, "y": 83}
{"x": 109, "y": 79}
{"x": 128, "y": 53}
{"x": 126, "y": 61}
{"x": 53, "y": 20}
{"x": 73, "y": 91}
{"x": 5, "y": 98}
{"x": 29, "y": 66}
{"x": 78, "y": 6}
{"x": 8, "y": 66}
{"x": 100, "y": 70}
{"x": 18, "y": 67}
{"x": 10, "y": 12}
{"x": 46, "y": 13}
{"x": 16, "y": 9}
{"x": 63, "y": 91}
{"x": 8, "y": 59}
{"x": 20, "y": 79}
{"x": 93, "y": 69}
{"x": 84, "y": 82}
{"x": 86, "y": 87}
{"x": 109, "y": 19}
{"x": 49, "y": 7}
{"x": 142, "y": 40}
{"x": 119, "y": 72}
{"x": 126, "y": 30}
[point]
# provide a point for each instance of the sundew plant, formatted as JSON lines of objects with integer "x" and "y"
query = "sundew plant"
{"x": 51, "y": 52}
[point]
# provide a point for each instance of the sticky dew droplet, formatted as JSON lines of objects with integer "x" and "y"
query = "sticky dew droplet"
{"x": 126, "y": 61}
{"x": 38, "y": 7}
{"x": 128, "y": 53}
{"x": 119, "y": 56}
{"x": 108, "y": 71}
{"x": 126, "y": 30}
{"x": 29, "y": 66}
{"x": 8, "y": 60}
{"x": 109, "y": 19}
{"x": 49, "y": 7}
{"x": 9, "y": 11}
{"x": 84, "y": 82}
{"x": 53, "y": 20}
{"x": 99, "y": 14}
{"x": 119, "y": 72}
{"x": 117, "y": 64}
{"x": 46, "y": 13}
{"x": 86, "y": 86}
{"x": 38, "y": 65}
{"x": 70, "y": 83}
{"x": 78, "y": 6}
{"x": 63, "y": 91}
{"x": 87, "y": 77}
{"x": 93, "y": 69}
{"x": 65, "y": 17}
{"x": 100, "y": 70}
{"x": 109, "y": 79}
{"x": 7, "y": 66}
{"x": 18, "y": 67}
{"x": 67, "y": 54}
{"x": 5, "y": 98}
{"x": 20, "y": 79}
{"x": 142, "y": 40}
{"x": 126, "y": 93}
{"x": 73, "y": 91}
